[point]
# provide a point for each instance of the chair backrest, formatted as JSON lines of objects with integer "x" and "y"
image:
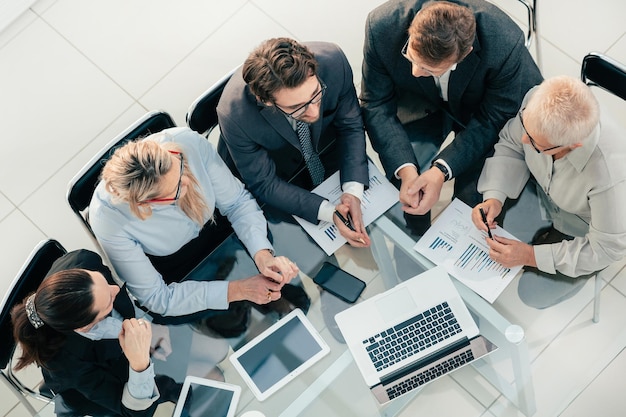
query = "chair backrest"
{"x": 82, "y": 186}
{"x": 27, "y": 280}
{"x": 604, "y": 72}
{"x": 202, "y": 114}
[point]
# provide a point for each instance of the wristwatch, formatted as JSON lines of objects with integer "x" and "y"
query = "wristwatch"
{"x": 441, "y": 167}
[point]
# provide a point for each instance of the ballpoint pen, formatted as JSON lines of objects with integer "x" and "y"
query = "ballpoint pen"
{"x": 482, "y": 214}
{"x": 348, "y": 223}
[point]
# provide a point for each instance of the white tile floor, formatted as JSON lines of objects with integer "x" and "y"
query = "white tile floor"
{"x": 74, "y": 73}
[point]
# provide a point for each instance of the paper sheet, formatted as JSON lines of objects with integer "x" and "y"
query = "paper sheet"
{"x": 377, "y": 199}
{"x": 455, "y": 243}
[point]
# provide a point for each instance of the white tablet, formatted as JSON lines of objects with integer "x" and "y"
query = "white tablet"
{"x": 201, "y": 397}
{"x": 279, "y": 354}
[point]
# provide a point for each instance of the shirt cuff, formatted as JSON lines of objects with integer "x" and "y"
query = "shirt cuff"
{"x": 326, "y": 211}
{"x": 496, "y": 195}
{"x": 445, "y": 164}
{"x": 395, "y": 173}
{"x": 544, "y": 258}
{"x": 140, "y": 392}
{"x": 354, "y": 188}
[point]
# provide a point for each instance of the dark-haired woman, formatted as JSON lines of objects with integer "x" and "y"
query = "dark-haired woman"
{"x": 93, "y": 351}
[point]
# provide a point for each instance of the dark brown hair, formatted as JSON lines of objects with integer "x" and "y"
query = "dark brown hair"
{"x": 276, "y": 64}
{"x": 442, "y": 31}
{"x": 64, "y": 301}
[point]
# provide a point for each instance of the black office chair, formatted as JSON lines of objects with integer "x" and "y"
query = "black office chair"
{"x": 202, "y": 114}
{"x": 27, "y": 280}
{"x": 82, "y": 186}
{"x": 601, "y": 71}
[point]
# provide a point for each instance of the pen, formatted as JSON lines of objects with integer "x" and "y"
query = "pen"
{"x": 348, "y": 223}
{"x": 482, "y": 214}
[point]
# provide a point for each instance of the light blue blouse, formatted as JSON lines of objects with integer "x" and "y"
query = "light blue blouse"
{"x": 125, "y": 238}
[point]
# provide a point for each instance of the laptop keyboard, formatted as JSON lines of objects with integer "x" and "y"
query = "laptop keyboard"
{"x": 430, "y": 374}
{"x": 413, "y": 335}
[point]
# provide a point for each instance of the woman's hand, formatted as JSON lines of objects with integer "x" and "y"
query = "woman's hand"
{"x": 135, "y": 339}
{"x": 279, "y": 268}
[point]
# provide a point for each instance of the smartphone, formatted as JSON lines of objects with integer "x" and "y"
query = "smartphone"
{"x": 339, "y": 283}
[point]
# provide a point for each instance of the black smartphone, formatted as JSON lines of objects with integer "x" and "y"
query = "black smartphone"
{"x": 339, "y": 283}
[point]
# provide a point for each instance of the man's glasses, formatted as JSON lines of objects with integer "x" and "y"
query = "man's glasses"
{"x": 180, "y": 180}
{"x": 530, "y": 138}
{"x": 302, "y": 109}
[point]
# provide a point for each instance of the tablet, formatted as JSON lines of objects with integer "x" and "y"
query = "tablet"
{"x": 201, "y": 397}
{"x": 279, "y": 354}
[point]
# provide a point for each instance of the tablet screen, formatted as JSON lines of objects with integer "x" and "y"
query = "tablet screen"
{"x": 278, "y": 354}
{"x": 201, "y": 398}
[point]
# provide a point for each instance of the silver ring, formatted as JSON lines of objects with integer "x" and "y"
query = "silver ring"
{"x": 141, "y": 322}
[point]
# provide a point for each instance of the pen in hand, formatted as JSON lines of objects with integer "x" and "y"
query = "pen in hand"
{"x": 482, "y": 214}
{"x": 348, "y": 223}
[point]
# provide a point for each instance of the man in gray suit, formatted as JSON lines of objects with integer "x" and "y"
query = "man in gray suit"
{"x": 435, "y": 67}
{"x": 292, "y": 108}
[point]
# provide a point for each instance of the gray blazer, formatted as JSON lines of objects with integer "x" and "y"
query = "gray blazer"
{"x": 484, "y": 91}
{"x": 266, "y": 151}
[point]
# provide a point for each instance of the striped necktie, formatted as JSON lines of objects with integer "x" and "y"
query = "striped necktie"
{"x": 312, "y": 159}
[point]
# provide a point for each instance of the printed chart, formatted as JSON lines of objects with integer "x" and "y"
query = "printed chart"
{"x": 456, "y": 244}
{"x": 377, "y": 199}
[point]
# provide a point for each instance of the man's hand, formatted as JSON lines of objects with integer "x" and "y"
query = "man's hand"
{"x": 510, "y": 252}
{"x": 350, "y": 209}
{"x": 492, "y": 208}
{"x": 135, "y": 339}
{"x": 279, "y": 268}
{"x": 420, "y": 194}
{"x": 258, "y": 288}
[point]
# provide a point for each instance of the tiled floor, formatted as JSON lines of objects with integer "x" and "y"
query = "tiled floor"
{"x": 74, "y": 73}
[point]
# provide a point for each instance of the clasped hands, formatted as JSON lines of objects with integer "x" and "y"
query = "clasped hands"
{"x": 350, "y": 208}
{"x": 275, "y": 271}
{"x": 419, "y": 193}
{"x": 507, "y": 252}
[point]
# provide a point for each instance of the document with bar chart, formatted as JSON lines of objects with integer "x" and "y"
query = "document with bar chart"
{"x": 455, "y": 243}
{"x": 377, "y": 199}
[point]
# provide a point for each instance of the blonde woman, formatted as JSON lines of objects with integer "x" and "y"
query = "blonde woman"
{"x": 148, "y": 213}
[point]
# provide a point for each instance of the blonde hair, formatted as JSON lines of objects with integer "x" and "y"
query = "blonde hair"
{"x": 564, "y": 110}
{"x": 133, "y": 175}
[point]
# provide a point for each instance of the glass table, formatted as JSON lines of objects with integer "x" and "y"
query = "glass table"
{"x": 334, "y": 385}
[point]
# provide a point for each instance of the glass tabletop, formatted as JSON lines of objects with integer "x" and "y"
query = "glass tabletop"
{"x": 334, "y": 386}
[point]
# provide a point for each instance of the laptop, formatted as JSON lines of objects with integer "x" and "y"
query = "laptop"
{"x": 411, "y": 334}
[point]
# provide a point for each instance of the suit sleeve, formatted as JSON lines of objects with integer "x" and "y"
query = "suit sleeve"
{"x": 258, "y": 171}
{"x": 379, "y": 105}
{"x": 504, "y": 88}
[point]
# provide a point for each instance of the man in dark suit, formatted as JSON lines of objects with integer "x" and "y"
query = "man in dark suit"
{"x": 435, "y": 67}
{"x": 284, "y": 95}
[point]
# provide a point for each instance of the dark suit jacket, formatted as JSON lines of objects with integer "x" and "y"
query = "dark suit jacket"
{"x": 90, "y": 375}
{"x": 266, "y": 150}
{"x": 484, "y": 91}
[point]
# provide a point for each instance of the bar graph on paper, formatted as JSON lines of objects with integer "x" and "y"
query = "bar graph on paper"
{"x": 455, "y": 243}
{"x": 475, "y": 259}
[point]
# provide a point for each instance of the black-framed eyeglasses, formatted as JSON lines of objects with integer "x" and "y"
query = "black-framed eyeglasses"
{"x": 530, "y": 138}
{"x": 178, "y": 187}
{"x": 302, "y": 109}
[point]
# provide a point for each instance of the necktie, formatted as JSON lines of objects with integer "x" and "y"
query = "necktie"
{"x": 312, "y": 159}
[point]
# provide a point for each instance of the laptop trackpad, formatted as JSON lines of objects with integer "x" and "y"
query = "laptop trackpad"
{"x": 395, "y": 304}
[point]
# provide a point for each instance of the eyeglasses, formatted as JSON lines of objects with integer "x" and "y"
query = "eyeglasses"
{"x": 302, "y": 109}
{"x": 404, "y": 52}
{"x": 180, "y": 180}
{"x": 530, "y": 138}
